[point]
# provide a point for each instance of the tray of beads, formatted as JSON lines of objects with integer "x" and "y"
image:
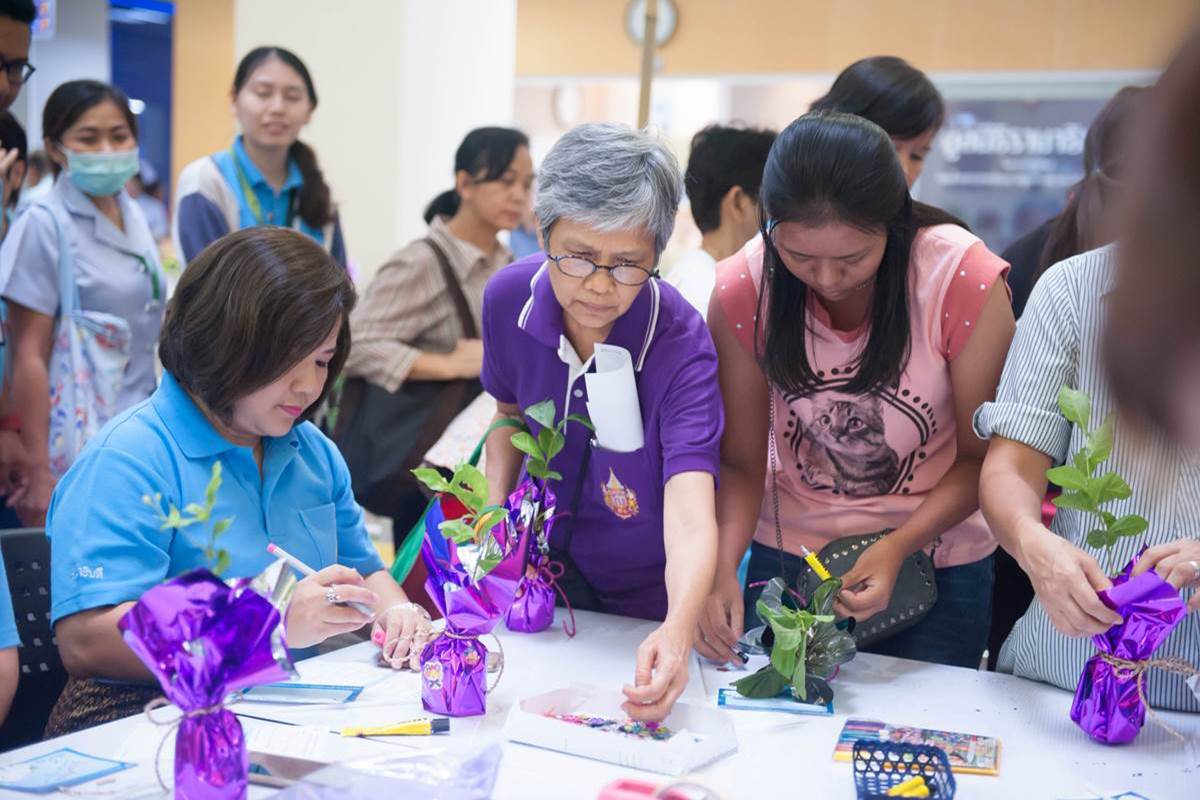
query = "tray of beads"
{"x": 587, "y": 721}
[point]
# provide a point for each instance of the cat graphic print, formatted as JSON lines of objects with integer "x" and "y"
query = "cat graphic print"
{"x": 840, "y": 443}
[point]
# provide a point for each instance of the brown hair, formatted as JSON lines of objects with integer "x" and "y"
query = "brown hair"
{"x": 1080, "y": 227}
{"x": 248, "y": 309}
{"x": 1153, "y": 330}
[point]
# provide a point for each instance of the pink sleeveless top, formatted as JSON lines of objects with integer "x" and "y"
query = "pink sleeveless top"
{"x": 853, "y": 464}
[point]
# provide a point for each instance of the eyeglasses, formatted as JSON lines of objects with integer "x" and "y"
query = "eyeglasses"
{"x": 18, "y": 70}
{"x": 624, "y": 274}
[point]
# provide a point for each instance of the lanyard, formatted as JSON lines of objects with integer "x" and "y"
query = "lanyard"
{"x": 148, "y": 268}
{"x": 251, "y": 197}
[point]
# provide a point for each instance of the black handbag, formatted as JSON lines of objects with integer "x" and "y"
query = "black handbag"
{"x": 913, "y": 595}
{"x": 384, "y": 435}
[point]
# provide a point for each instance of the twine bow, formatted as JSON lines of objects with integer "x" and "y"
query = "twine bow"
{"x": 473, "y": 637}
{"x": 1125, "y": 669}
{"x": 172, "y": 725}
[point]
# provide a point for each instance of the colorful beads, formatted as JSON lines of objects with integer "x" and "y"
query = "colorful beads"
{"x": 629, "y": 727}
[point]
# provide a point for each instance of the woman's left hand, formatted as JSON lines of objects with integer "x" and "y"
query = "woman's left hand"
{"x": 1178, "y": 563}
{"x": 401, "y": 633}
{"x": 867, "y": 587}
{"x": 662, "y": 673}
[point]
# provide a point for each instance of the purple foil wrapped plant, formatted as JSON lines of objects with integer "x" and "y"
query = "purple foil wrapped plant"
{"x": 1109, "y": 702}
{"x": 532, "y": 508}
{"x": 204, "y": 639}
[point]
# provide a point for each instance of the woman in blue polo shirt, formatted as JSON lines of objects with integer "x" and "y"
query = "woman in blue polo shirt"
{"x": 591, "y": 328}
{"x": 255, "y": 333}
{"x": 267, "y": 176}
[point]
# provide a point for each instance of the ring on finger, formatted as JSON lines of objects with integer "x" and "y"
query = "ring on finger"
{"x": 331, "y": 595}
{"x": 1195, "y": 565}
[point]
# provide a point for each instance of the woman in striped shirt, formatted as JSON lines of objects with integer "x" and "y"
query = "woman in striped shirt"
{"x": 1057, "y": 344}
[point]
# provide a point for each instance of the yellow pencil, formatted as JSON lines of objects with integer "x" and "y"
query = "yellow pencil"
{"x": 416, "y": 727}
{"x": 811, "y": 558}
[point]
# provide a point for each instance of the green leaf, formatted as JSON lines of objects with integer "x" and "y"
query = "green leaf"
{"x": 783, "y": 658}
{"x": 1081, "y": 462}
{"x": 825, "y": 594}
{"x": 764, "y": 683}
{"x": 1111, "y": 486}
{"x": 582, "y": 420}
{"x": 799, "y": 676}
{"x": 1100, "y": 444}
{"x": 222, "y": 564}
{"x": 220, "y": 526}
{"x": 469, "y": 485}
{"x": 525, "y": 442}
{"x": 201, "y": 513}
{"x": 557, "y": 442}
{"x": 551, "y": 475}
{"x": 214, "y": 484}
{"x": 542, "y": 413}
{"x": 545, "y": 441}
{"x": 1075, "y": 500}
{"x": 1109, "y": 518}
{"x": 1076, "y": 406}
{"x": 1068, "y": 477}
{"x": 536, "y": 468}
{"x": 1128, "y": 525}
{"x": 491, "y": 519}
{"x": 432, "y": 478}
{"x": 1097, "y": 539}
{"x": 457, "y": 531}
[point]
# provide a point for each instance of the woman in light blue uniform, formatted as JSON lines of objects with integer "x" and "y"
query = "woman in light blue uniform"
{"x": 255, "y": 333}
{"x": 267, "y": 176}
{"x": 91, "y": 138}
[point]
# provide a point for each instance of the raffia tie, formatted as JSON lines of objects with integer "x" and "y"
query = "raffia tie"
{"x": 161, "y": 702}
{"x": 499, "y": 648}
{"x": 1124, "y": 670}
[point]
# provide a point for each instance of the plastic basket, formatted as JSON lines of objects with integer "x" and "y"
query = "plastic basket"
{"x": 878, "y": 766}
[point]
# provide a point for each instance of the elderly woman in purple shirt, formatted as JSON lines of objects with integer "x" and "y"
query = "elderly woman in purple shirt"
{"x": 588, "y": 325}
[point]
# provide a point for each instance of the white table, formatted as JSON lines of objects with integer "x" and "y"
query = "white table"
{"x": 1043, "y": 755}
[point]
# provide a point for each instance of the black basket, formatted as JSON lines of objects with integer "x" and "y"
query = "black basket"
{"x": 878, "y": 766}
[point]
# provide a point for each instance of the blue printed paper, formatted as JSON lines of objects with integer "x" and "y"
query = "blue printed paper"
{"x": 52, "y": 771}
{"x": 732, "y": 698}
{"x": 294, "y": 693}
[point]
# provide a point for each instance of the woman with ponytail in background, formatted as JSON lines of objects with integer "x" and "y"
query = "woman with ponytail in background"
{"x": 267, "y": 176}
{"x": 417, "y": 327}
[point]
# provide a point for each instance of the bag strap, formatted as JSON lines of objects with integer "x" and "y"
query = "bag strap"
{"x": 68, "y": 291}
{"x": 506, "y": 422}
{"x": 470, "y": 331}
{"x": 773, "y": 458}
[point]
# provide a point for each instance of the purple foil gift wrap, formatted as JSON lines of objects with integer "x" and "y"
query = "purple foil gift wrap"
{"x": 454, "y": 665}
{"x": 203, "y": 640}
{"x": 533, "y": 607}
{"x": 1108, "y": 704}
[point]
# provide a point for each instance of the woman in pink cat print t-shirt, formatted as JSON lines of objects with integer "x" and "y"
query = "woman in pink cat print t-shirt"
{"x": 873, "y": 327}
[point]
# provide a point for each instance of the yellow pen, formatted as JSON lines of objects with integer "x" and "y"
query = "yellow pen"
{"x": 811, "y": 558}
{"x": 416, "y": 727}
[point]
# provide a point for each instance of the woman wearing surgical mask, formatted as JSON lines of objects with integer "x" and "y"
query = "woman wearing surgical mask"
{"x": 91, "y": 139}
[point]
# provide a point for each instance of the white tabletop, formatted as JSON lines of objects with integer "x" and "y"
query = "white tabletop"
{"x": 1043, "y": 754}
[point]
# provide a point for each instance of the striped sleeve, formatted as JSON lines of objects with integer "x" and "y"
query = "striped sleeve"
{"x": 1044, "y": 357}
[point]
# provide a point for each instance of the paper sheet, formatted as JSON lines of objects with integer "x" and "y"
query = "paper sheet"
{"x": 613, "y": 401}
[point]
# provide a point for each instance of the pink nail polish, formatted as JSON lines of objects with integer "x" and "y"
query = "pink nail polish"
{"x": 378, "y": 637}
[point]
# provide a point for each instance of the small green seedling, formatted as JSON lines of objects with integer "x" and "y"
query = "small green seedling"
{"x": 195, "y": 513}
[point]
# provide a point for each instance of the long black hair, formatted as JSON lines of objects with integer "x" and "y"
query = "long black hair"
{"x": 69, "y": 101}
{"x": 824, "y": 167}
{"x": 890, "y": 92}
{"x": 12, "y": 134}
{"x": 315, "y": 204}
{"x": 485, "y": 154}
{"x": 1078, "y": 227}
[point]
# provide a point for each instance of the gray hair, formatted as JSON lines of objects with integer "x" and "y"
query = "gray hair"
{"x": 610, "y": 177}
